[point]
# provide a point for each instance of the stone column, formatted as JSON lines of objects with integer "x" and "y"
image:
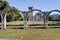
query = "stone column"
{"x": 30, "y": 13}
{"x": 25, "y": 23}
{"x": 46, "y": 20}
{"x": 3, "y": 20}
{"x": 25, "y": 13}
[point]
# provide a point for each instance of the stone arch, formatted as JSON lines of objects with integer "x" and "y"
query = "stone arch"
{"x": 46, "y": 15}
{"x": 54, "y": 11}
{"x": 24, "y": 14}
{"x": 36, "y": 10}
{"x": 38, "y": 16}
{"x": 31, "y": 11}
{"x": 3, "y": 17}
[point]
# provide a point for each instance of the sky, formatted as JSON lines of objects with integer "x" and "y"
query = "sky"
{"x": 43, "y": 5}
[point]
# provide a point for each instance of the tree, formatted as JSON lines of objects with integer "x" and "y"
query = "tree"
{"x": 13, "y": 15}
{"x": 4, "y": 5}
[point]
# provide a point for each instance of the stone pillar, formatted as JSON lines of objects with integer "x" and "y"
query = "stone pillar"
{"x": 45, "y": 19}
{"x": 3, "y": 20}
{"x": 25, "y": 23}
{"x": 30, "y": 13}
{"x": 25, "y": 19}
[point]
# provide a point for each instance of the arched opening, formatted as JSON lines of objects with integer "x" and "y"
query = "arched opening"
{"x": 54, "y": 18}
{"x": 54, "y": 15}
{"x": 35, "y": 12}
{"x": 37, "y": 16}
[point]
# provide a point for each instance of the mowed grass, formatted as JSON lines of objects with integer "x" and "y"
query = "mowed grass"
{"x": 30, "y": 33}
{"x": 31, "y": 22}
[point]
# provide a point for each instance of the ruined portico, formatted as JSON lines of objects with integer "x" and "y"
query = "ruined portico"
{"x": 27, "y": 15}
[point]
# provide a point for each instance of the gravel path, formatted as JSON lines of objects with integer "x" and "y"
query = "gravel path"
{"x": 28, "y": 39}
{"x": 8, "y": 39}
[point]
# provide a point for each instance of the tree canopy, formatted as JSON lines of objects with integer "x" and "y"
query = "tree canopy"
{"x": 4, "y": 5}
{"x": 13, "y": 15}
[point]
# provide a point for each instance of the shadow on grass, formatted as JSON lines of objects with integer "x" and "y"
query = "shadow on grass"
{"x": 36, "y": 28}
{"x": 54, "y": 27}
{"x": 28, "y": 28}
{"x": 31, "y": 27}
{"x": 0, "y": 28}
{"x": 16, "y": 28}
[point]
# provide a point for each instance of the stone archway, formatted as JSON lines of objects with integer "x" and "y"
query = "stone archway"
{"x": 47, "y": 17}
{"x": 31, "y": 12}
{"x": 45, "y": 14}
{"x": 36, "y": 10}
{"x": 54, "y": 11}
{"x": 38, "y": 17}
{"x": 25, "y": 13}
{"x": 3, "y": 17}
{"x": 30, "y": 15}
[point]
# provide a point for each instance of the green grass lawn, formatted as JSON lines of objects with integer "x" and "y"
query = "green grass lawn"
{"x": 32, "y": 22}
{"x": 30, "y": 33}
